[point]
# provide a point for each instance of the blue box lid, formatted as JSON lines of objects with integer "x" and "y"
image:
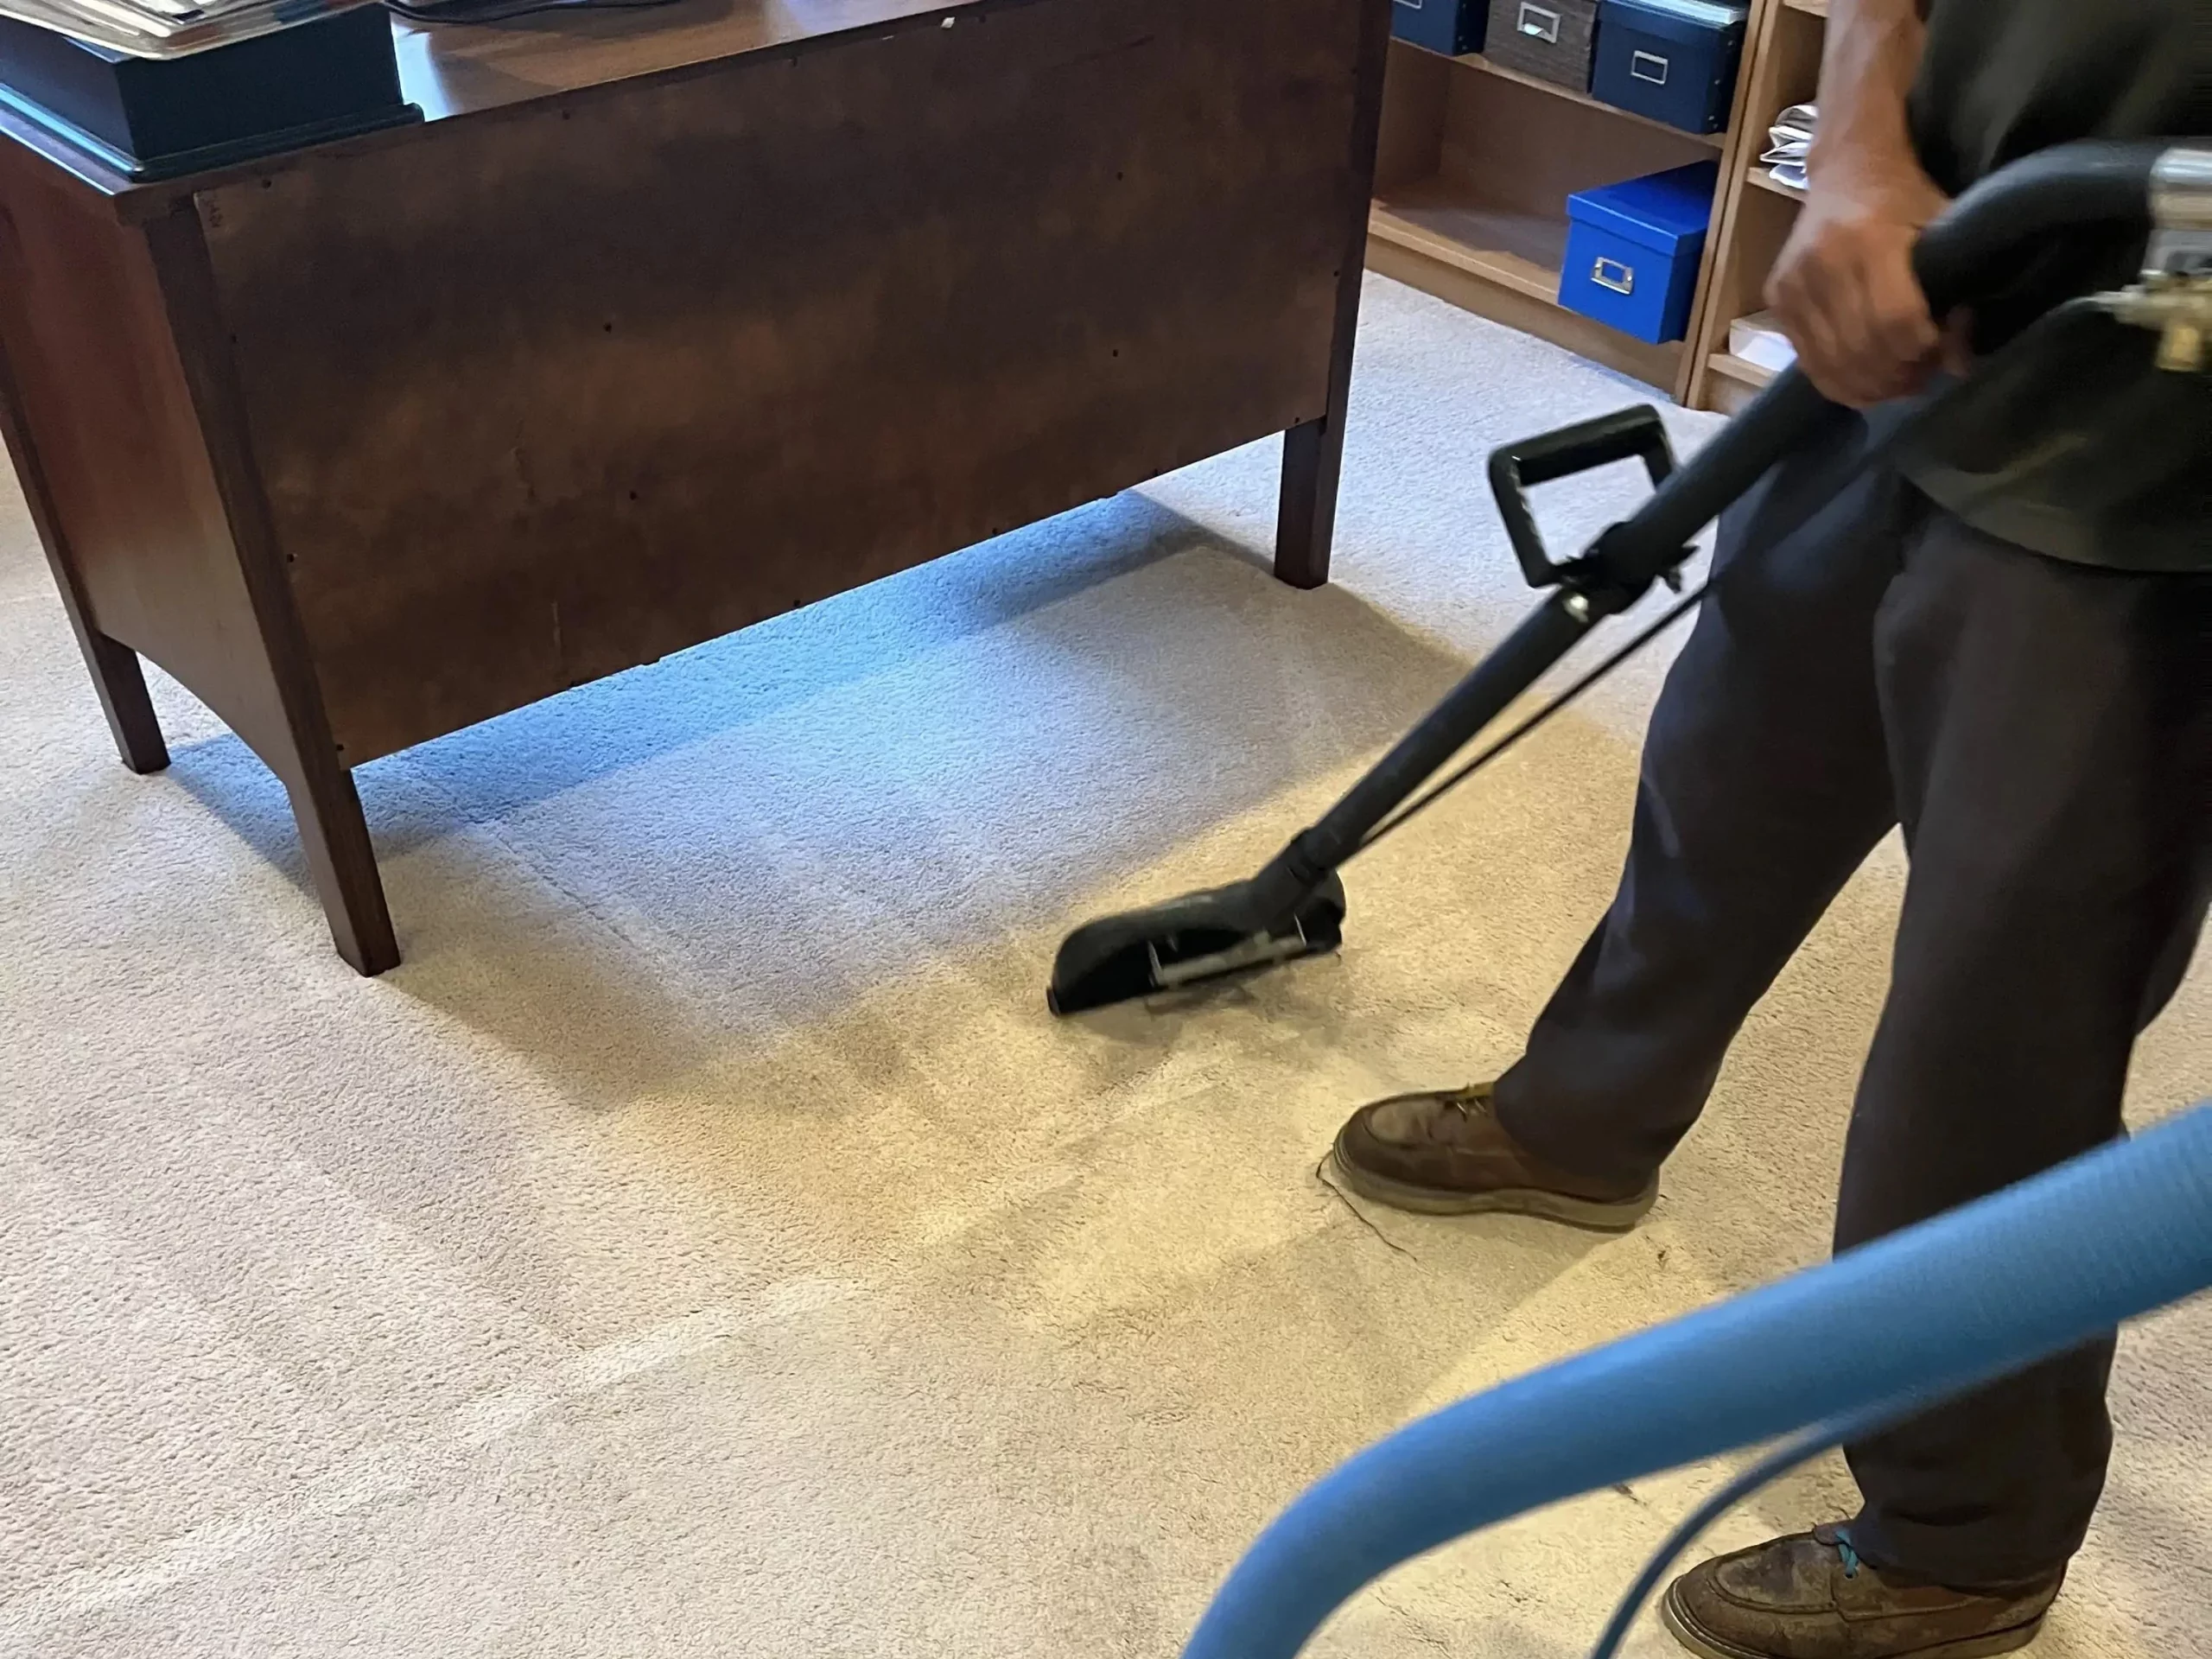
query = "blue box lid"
{"x": 1660, "y": 210}
{"x": 1688, "y": 20}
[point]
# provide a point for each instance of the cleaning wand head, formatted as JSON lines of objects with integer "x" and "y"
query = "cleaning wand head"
{"x": 1188, "y": 941}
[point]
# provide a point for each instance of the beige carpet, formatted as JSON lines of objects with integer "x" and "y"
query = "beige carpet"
{"x": 706, "y": 1244}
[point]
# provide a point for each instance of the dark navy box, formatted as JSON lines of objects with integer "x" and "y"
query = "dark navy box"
{"x": 1673, "y": 60}
{"x": 1452, "y": 26}
{"x": 327, "y": 78}
{"x": 1632, "y": 251}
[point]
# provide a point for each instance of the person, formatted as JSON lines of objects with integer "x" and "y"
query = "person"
{"x": 1980, "y": 612}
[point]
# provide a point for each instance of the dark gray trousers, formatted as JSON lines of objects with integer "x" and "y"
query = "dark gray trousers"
{"x": 2043, "y": 733}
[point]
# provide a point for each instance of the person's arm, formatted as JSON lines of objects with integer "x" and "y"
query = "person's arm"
{"x": 1843, "y": 287}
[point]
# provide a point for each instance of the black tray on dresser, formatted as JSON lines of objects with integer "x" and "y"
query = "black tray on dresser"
{"x": 327, "y": 77}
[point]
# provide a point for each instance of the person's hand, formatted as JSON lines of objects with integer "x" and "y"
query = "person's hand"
{"x": 1843, "y": 289}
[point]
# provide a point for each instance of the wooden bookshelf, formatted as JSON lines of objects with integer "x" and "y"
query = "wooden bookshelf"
{"x": 1438, "y": 232}
{"x": 1434, "y": 219}
{"x": 1553, "y": 89}
{"x": 1477, "y": 161}
{"x": 1781, "y": 67}
{"x": 1733, "y": 381}
{"x": 1476, "y": 165}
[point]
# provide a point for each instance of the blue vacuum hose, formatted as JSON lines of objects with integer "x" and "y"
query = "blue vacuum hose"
{"x": 1924, "y": 1313}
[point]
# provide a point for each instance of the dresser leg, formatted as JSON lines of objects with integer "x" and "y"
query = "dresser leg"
{"x": 297, "y": 746}
{"x": 122, "y": 688}
{"x": 117, "y": 677}
{"x": 335, "y": 835}
{"x": 1312, "y": 457}
{"x": 1313, "y": 454}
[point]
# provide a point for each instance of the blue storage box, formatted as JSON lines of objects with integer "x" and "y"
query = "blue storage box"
{"x": 1673, "y": 60}
{"x": 1452, "y": 26}
{"x": 1632, "y": 251}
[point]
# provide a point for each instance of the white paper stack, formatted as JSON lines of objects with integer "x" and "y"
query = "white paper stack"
{"x": 168, "y": 29}
{"x": 1789, "y": 142}
{"x": 1759, "y": 339}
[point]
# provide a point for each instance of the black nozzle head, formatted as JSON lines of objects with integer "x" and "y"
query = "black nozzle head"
{"x": 1188, "y": 941}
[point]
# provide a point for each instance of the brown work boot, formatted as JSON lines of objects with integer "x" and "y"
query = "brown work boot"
{"x": 1445, "y": 1153}
{"x": 1809, "y": 1596}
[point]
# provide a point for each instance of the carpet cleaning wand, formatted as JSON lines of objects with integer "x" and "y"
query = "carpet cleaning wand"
{"x": 1294, "y": 907}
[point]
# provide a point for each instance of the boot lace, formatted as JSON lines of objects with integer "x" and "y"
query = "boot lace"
{"x": 1470, "y": 1103}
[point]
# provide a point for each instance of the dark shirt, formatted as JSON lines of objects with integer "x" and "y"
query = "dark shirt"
{"x": 2074, "y": 443}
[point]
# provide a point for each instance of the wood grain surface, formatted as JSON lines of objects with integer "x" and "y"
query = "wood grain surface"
{"x": 544, "y": 394}
{"x": 333, "y": 834}
{"x": 120, "y": 462}
{"x": 453, "y": 69}
{"x": 118, "y": 680}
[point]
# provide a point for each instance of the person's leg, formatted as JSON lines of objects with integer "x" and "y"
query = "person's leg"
{"x": 1765, "y": 783}
{"x": 2052, "y": 743}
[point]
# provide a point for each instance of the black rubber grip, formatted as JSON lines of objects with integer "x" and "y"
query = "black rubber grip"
{"x": 2066, "y": 190}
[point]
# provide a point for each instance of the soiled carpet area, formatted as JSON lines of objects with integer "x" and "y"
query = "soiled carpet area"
{"x": 706, "y": 1243}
